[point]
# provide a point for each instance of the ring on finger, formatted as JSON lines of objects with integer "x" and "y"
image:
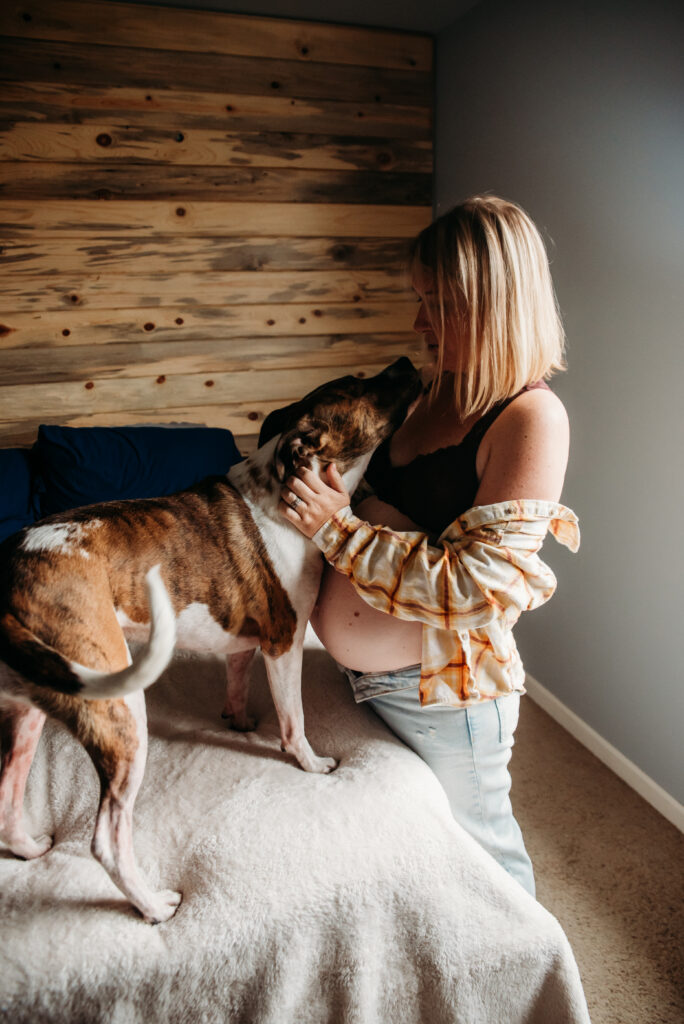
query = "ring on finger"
{"x": 295, "y": 502}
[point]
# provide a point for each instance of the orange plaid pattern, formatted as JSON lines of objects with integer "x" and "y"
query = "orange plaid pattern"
{"x": 468, "y": 590}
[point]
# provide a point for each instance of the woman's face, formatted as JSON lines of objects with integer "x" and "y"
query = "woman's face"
{"x": 427, "y": 324}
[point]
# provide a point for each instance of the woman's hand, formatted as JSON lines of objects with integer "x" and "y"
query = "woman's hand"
{"x": 307, "y": 501}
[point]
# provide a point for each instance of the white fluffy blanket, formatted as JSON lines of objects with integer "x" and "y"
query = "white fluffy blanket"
{"x": 351, "y": 898}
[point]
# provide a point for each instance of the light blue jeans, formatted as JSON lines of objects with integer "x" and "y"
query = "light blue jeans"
{"x": 468, "y": 749}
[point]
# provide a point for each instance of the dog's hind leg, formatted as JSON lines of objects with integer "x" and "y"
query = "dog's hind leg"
{"x": 114, "y": 733}
{"x": 20, "y": 729}
{"x": 117, "y": 744}
{"x": 237, "y": 691}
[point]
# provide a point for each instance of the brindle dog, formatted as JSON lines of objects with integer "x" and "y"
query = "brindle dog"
{"x": 214, "y": 568}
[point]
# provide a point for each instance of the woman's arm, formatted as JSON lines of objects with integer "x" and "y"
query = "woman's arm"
{"x": 524, "y": 454}
{"x": 474, "y": 576}
{"x": 485, "y": 567}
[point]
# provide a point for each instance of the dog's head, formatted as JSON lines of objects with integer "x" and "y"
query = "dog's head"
{"x": 343, "y": 420}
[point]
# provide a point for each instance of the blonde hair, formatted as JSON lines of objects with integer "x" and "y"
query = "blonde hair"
{"x": 489, "y": 272}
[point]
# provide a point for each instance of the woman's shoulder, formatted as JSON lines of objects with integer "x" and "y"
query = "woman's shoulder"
{"x": 525, "y": 451}
{"x": 538, "y": 408}
{"x": 535, "y": 421}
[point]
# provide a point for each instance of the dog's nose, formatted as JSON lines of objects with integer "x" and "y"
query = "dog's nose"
{"x": 402, "y": 366}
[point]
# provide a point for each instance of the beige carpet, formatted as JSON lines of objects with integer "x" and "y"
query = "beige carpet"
{"x": 609, "y": 867}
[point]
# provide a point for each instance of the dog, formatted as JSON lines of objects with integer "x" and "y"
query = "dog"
{"x": 214, "y": 568}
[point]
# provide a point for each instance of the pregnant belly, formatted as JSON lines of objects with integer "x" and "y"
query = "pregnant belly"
{"x": 354, "y": 633}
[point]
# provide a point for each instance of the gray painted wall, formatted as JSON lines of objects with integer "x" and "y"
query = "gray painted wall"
{"x": 575, "y": 110}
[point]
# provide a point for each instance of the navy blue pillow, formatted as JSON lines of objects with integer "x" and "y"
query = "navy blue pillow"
{"x": 17, "y": 508}
{"x": 84, "y": 465}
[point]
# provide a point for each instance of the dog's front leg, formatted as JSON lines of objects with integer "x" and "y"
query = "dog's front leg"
{"x": 285, "y": 681}
{"x": 237, "y": 691}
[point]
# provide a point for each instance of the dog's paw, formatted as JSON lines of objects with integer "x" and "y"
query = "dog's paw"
{"x": 240, "y": 723}
{"x": 323, "y": 765}
{"x": 42, "y": 844}
{"x": 28, "y": 848}
{"x": 162, "y": 906}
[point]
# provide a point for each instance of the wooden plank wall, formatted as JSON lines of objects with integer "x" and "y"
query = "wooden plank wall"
{"x": 202, "y": 216}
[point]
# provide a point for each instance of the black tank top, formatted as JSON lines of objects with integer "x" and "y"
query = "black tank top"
{"x": 435, "y": 488}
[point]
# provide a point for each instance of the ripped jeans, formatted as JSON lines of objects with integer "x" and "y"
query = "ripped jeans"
{"x": 468, "y": 749}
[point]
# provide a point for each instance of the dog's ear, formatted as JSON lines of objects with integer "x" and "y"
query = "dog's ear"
{"x": 276, "y": 422}
{"x": 296, "y": 447}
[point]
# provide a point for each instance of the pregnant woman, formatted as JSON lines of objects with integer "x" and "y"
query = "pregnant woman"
{"x": 426, "y": 578}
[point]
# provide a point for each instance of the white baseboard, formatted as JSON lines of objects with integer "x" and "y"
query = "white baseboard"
{"x": 625, "y": 769}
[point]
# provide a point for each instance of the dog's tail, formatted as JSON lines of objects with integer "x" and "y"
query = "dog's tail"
{"x": 42, "y": 664}
{"x": 149, "y": 662}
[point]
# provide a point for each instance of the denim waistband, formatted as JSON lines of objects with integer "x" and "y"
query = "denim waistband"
{"x": 374, "y": 684}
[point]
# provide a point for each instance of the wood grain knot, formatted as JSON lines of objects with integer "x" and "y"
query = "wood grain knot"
{"x": 229, "y": 108}
{"x": 361, "y": 374}
{"x": 73, "y": 298}
{"x": 179, "y": 136}
{"x": 384, "y": 159}
{"x": 66, "y": 332}
{"x": 302, "y": 319}
{"x": 208, "y": 383}
{"x": 341, "y": 252}
{"x": 179, "y": 320}
{"x": 104, "y": 139}
{"x": 252, "y": 416}
{"x": 275, "y": 85}
{"x": 89, "y": 385}
{"x": 180, "y": 211}
{"x": 270, "y": 322}
{"x": 318, "y": 312}
{"x": 148, "y": 327}
{"x": 161, "y": 379}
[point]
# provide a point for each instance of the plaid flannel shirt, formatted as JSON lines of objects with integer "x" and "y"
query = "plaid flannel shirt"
{"x": 468, "y": 590}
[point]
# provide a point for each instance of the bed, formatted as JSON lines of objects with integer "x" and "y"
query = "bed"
{"x": 352, "y": 897}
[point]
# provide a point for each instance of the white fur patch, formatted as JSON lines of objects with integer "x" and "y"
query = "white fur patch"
{"x": 133, "y": 630}
{"x": 196, "y": 630}
{"x": 296, "y": 559}
{"x": 64, "y": 538}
